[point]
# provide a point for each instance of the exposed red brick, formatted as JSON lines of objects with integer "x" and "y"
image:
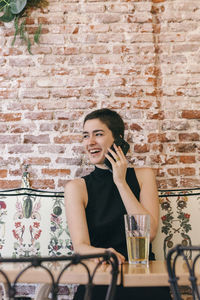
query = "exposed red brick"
{"x": 157, "y": 137}
{"x": 158, "y": 1}
{"x": 159, "y": 172}
{"x": 125, "y": 93}
{"x": 11, "y": 161}
{"x": 17, "y": 172}
{"x": 190, "y": 159}
{"x": 190, "y": 182}
{"x": 69, "y": 161}
{"x": 39, "y": 116}
{"x": 37, "y": 161}
{"x": 12, "y": 94}
{"x": 155, "y": 159}
{"x": 40, "y": 139}
{"x": 10, "y": 139}
{"x": 157, "y": 147}
{"x": 141, "y": 148}
{"x": 189, "y": 136}
{"x": 68, "y": 115}
{"x": 187, "y": 171}
{"x": 20, "y": 128}
{"x": 51, "y": 149}
{"x": 62, "y": 183}
{"x": 69, "y": 139}
{"x": 42, "y": 184}
{"x": 54, "y": 127}
{"x": 156, "y": 116}
{"x": 52, "y": 105}
{"x": 143, "y": 104}
{"x": 65, "y": 93}
{"x": 18, "y": 106}
{"x": 56, "y": 172}
{"x": 88, "y": 92}
{"x": 135, "y": 127}
{"x": 171, "y": 160}
{"x": 191, "y": 114}
{"x": 20, "y": 149}
{"x": 3, "y": 173}
{"x": 3, "y": 128}
{"x": 173, "y": 171}
{"x": 10, "y": 184}
{"x": 187, "y": 148}
{"x": 165, "y": 183}
{"x": 10, "y": 117}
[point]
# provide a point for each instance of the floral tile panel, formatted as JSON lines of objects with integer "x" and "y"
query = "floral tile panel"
{"x": 179, "y": 219}
{"x": 33, "y": 222}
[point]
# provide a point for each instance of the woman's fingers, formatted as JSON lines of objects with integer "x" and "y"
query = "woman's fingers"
{"x": 97, "y": 260}
{"x": 120, "y": 257}
{"x": 117, "y": 154}
{"x": 114, "y": 155}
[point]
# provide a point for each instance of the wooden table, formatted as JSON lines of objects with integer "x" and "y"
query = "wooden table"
{"x": 130, "y": 275}
{"x": 74, "y": 274}
{"x": 154, "y": 275}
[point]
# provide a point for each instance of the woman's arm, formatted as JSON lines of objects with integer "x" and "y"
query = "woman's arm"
{"x": 148, "y": 190}
{"x": 75, "y": 203}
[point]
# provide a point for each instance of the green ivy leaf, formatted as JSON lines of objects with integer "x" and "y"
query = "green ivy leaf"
{"x": 37, "y": 34}
{"x": 3, "y": 4}
{"x": 16, "y": 25}
{"x": 17, "y": 6}
{"x": 8, "y": 15}
{"x": 29, "y": 45}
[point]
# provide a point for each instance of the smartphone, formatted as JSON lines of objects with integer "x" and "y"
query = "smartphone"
{"x": 124, "y": 146}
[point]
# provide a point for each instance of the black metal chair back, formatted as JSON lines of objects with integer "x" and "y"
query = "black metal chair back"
{"x": 191, "y": 256}
{"x": 75, "y": 259}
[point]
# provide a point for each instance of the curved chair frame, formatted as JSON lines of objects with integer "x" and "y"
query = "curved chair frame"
{"x": 172, "y": 256}
{"x": 75, "y": 259}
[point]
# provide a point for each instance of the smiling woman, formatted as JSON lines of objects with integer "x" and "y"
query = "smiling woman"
{"x": 13, "y": 10}
{"x": 96, "y": 204}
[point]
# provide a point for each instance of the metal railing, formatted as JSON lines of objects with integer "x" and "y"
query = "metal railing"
{"x": 185, "y": 252}
{"x": 75, "y": 259}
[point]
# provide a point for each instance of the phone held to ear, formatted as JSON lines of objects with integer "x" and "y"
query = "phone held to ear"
{"x": 123, "y": 145}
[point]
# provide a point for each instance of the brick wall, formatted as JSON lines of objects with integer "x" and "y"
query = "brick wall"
{"x": 140, "y": 58}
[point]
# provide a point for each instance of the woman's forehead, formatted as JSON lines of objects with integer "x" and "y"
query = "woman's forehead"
{"x": 94, "y": 124}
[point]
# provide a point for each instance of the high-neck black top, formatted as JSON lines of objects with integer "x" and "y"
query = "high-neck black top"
{"x": 105, "y": 209}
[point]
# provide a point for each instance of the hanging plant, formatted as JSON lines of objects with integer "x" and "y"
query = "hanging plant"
{"x": 17, "y": 10}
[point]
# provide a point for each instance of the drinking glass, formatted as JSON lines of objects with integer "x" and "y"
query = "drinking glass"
{"x": 137, "y": 228}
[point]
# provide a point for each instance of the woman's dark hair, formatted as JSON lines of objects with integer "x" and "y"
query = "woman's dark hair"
{"x": 109, "y": 117}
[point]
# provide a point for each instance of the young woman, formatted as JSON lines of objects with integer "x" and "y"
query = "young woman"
{"x": 96, "y": 204}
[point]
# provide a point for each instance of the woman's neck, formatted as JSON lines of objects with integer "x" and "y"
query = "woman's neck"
{"x": 101, "y": 166}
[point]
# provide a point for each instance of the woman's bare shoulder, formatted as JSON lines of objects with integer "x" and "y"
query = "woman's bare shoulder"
{"x": 144, "y": 171}
{"x": 75, "y": 191}
{"x": 75, "y": 184}
{"x": 144, "y": 174}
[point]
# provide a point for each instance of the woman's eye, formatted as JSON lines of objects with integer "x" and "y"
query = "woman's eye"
{"x": 85, "y": 136}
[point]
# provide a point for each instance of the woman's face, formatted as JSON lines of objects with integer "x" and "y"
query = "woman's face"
{"x": 97, "y": 137}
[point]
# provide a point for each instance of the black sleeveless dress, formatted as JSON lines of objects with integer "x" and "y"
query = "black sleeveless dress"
{"x": 105, "y": 218}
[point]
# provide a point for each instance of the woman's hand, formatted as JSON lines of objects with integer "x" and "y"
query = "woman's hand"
{"x": 119, "y": 164}
{"x": 120, "y": 257}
